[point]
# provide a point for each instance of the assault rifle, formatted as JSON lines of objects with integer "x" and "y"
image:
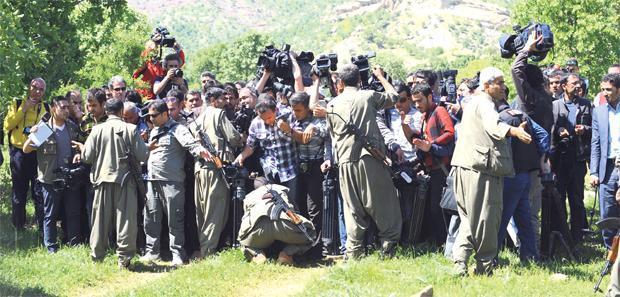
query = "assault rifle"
{"x": 279, "y": 205}
{"x": 612, "y": 254}
{"x": 206, "y": 142}
{"x": 360, "y": 136}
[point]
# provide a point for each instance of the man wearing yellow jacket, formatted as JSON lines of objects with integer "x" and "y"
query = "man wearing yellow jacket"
{"x": 20, "y": 117}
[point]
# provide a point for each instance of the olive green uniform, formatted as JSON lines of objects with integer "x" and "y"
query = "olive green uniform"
{"x": 258, "y": 231}
{"x": 482, "y": 158}
{"x": 108, "y": 148}
{"x": 614, "y": 282}
{"x": 365, "y": 183}
{"x": 212, "y": 193}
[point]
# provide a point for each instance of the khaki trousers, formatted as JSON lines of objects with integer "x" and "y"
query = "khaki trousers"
{"x": 212, "y": 197}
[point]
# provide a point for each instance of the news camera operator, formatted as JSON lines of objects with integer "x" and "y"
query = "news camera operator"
{"x": 435, "y": 145}
{"x": 533, "y": 100}
{"x": 173, "y": 78}
{"x": 312, "y": 140}
{"x": 152, "y": 67}
{"x": 55, "y": 159}
{"x": 403, "y": 152}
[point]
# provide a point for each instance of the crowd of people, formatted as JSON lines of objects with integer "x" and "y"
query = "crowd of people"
{"x": 189, "y": 172}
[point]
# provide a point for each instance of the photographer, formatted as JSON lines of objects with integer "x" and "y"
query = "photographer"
{"x": 53, "y": 155}
{"x": 391, "y": 122}
{"x": 152, "y": 68}
{"x": 533, "y": 100}
{"x": 212, "y": 191}
{"x": 173, "y": 78}
{"x": 20, "y": 117}
{"x": 571, "y": 134}
{"x": 312, "y": 138}
{"x": 435, "y": 145}
{"x": 267, "y": 131}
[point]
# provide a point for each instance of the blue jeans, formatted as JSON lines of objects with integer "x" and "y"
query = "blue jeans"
{"x": 607, "y": 197}
{"x": 342, "y": 228}
{"x": 517, "y": 205}
{"x": 53, "y": 200}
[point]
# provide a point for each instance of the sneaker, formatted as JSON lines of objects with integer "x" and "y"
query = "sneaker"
{"x": 387, "y": 250}
{"x": 148, "y": 258}
{"x": 177, "y": 261}
{"x": 460, "y": 269}
{"x": 52, "y": 250}
{"x": 285, "y": 259}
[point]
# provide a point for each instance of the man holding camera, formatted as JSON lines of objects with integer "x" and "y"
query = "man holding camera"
{"x": 267, "y": 131}
{"x": 212, "y": 192}
{"x": 173, "y": 78}
{"x": 533, "y": 100}
{"x": 54, "y": 156}
{"x": 365, "y": 180}
{"x": 20, "y": 117}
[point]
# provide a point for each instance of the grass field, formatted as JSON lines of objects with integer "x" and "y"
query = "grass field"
{"x": 27, "y": 270}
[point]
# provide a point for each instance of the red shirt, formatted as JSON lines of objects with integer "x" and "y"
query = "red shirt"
{"x": 438, "y": 129}
{"x": 149, "y": 72}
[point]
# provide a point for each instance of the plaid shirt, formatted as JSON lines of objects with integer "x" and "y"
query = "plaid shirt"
{"x": 439, "y": 131}
{"x": 279, "y": 157}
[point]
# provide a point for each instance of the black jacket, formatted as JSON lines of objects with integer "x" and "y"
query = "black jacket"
{"x": 536, "y": 103}
{"x": 525, "y": 157}
{"x": 575, "y": 147}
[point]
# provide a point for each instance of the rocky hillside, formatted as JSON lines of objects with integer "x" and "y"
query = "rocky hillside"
{"x": 415, "y": 32}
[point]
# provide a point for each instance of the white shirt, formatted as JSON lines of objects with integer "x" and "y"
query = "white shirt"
{"x": 399, "y": 134}
{"x": 614, "y": 132}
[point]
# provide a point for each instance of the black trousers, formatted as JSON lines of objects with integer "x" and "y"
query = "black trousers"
{"x": 309, "y": 195}
{"x": 435, "y": 220}
{"x": 571, "y": 175}
{"x": 24, "y": 176}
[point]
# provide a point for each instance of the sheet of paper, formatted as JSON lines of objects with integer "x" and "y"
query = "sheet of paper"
{"x": 41, "y": 135}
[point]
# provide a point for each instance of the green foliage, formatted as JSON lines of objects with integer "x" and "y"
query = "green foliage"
{"x": 66, "y": 42}
{"x": 392, "y": 64}
{"x": 586, "y": 30}
{"x": 231, "y": 61}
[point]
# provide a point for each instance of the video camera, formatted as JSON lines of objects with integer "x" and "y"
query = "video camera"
{"x": 447, "y": 84}
{"x": 323, "y": 65}
{"x": 279, "y": 63}
{"x": 511, "y": 44}
{"x": 161, "y": 36}
{"x": 369, "y": 81}
{"x": 68, "y": 177}
{"x": 243, "y": 119}
{"x": 236, "y": 176}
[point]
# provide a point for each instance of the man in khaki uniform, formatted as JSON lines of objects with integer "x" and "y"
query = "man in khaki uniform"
{"x": 212, "y": 193}
{"x": 258, "y": 231}
{"x": 108, "y": 148}
{"x": 363, "y": 201}
{"x": 482, "y": 158}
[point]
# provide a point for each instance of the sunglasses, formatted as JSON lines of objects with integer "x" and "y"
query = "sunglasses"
{"x": 154, "y": 115}
{"x": 120, "y": 89}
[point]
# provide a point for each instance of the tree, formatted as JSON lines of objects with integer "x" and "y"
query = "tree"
{"x": 230, "y": 61}
{"x": 586, "y": 30}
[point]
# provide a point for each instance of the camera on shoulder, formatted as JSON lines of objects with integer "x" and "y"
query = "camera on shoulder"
{"x": 511, "y": 44}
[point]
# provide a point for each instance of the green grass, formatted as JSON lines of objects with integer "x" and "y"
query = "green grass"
{"x": 27, "y": 270}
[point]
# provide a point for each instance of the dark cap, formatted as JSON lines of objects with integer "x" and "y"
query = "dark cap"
{"x": 572, "y": 62}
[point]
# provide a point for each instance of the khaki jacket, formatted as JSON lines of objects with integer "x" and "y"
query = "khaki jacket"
{"x": 46, "y": 154}
{"x": 482, "y": 145}
{"x": 221, "y": 132}
{"x": 255, "y": 207}
{"x": 108, "y": 148}
{"x": 359, "y": 107}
